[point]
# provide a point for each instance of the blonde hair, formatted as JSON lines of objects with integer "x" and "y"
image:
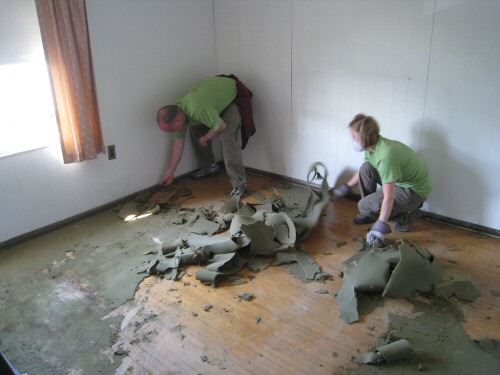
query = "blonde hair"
{"x": 368, "y": 129}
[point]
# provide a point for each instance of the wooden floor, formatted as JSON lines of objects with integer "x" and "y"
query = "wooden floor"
{"x": 289, "y": 328}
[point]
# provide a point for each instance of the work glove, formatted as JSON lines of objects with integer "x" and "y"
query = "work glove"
{"x": 377, "y": 234}
{"x": 339, "y": 192}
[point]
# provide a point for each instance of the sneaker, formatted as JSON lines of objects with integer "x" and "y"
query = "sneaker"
{"x": 211, "y": 170}
{"x": 403, "y": 227}
{"x": 407, "y": 219}
{"x": 364, "y": 219}
{"x": 238, "y": 191}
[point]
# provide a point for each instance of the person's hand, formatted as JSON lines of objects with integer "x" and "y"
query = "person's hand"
{"x": 339, "y": 192}
{"x": 203, "y": 142}
{"x": 167, "y": 180}
{"x": 376, "y": 236}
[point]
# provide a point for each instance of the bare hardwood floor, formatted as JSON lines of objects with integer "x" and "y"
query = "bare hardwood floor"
{"x": 289, "y": 328}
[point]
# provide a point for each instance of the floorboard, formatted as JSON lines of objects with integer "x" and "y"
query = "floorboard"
{"x": 300, "y": 331}
{"x": 288, "y": 328}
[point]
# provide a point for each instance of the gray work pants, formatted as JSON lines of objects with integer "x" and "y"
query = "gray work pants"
{"x": 405, "y": 200}
{"x": 231, "y": 145}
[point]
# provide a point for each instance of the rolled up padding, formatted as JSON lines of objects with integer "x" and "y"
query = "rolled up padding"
{"x": 192, "y": 255}
{"x": 214, "y": 244}
{"x": 170, "y": 247}
{"x": 371, "y": 358}
{"x": 396, "y": 351}
{"x": 227, "y": 264}
{"x": 207, "y": 276}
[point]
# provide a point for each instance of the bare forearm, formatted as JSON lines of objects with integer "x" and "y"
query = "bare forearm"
{"x": 176, "y": 155}
{"x": 211, "y": 134}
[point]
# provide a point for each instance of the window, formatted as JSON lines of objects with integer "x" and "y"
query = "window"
{"x": 27, "y": 119}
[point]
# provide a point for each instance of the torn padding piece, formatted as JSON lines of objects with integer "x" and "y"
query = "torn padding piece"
{"x": 166, "y": 267}
{"x": 348, "y": 302}
{"x": 489, "y": 345}
{"x": 232, "y": 205}
{"x": 416, "y": 271}
{"x": 370, "y": 271}
{"x": 463, "y": 290}
{"x": 316, "y": 202}
{"x": 262, "y": 237}
{"x": 371, "y": 274}
{"x": 308, "y": 265}
{"x": 204, "y": 226}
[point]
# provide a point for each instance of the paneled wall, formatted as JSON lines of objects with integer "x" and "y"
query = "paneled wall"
{"x": 351, "y": 57}
{"x": 427, "y": 70}
{"x": 254, "y": 41}
{"x": 460, "y": 134}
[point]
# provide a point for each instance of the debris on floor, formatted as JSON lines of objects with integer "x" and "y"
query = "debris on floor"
{"x": 438, "y": 341}
{"x": 316, "y": 202}
{"x": 151, "y": 203}
{"x": 490, "y": 346}
{"x": 394, "y": 351}
{"x": 259, "y": 235}
{"x": 246, "y": 297}
{"x": 413, "y": 269}
{"x": 463, "y": 290}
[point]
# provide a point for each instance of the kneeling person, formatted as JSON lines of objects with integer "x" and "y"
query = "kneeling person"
{"x": 404, "y": 177}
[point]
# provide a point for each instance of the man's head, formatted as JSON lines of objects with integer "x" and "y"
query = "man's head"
{"x": 170, "y": 118}
{"x": 364, "y": 130}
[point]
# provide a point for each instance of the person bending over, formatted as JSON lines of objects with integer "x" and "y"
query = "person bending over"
{"x": 209, "y": 109}
{"x": 403, "y": 175}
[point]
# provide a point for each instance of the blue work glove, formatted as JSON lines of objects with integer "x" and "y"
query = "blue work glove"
{"x": 376, "y": 236}
{"x": 339, "y": 192}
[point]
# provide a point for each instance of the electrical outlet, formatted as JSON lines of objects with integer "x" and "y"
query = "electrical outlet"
{"x": 111, "y": 152}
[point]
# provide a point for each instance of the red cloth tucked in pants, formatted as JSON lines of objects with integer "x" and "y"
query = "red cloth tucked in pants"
{"x": 244, "y": 102}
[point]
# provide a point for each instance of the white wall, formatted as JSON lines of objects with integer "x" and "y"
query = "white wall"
{"x": 427, "y": 70}
{"x": 460, "y": 127}
{"x": 254, "y": 41}
{"x": 351, "y": 57}
{"x": 145, "y": 54}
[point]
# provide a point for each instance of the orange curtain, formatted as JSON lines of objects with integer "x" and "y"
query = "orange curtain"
{"x": 65, "y": 37}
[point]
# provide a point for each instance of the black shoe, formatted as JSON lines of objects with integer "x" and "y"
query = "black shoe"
{"x": 211, "y": 170}
{"x": 364, "y": 219}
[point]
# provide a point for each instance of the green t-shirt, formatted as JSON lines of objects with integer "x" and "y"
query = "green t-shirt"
{"x": 394, "y": 161}
{"x": 204, "y": 102}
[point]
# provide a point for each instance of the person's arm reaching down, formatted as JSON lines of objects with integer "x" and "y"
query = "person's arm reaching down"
{"x": 377, "y": 235}
{"x": 177, "y": 151}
